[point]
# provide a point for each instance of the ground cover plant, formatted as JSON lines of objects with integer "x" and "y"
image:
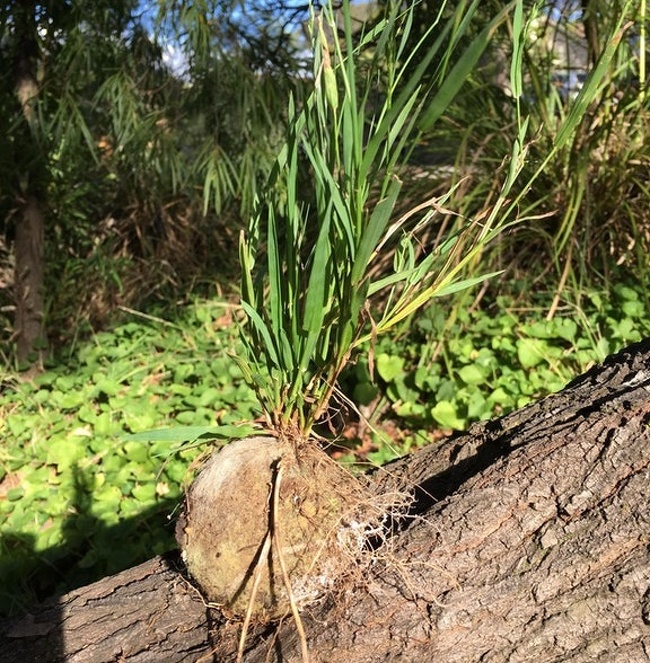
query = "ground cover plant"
{"x": 70, "y": 473}
{"x": 68, "y": 477}
{"x": 492, "y": 359}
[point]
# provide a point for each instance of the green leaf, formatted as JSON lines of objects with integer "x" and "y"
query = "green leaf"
{"x": 179, "y": 434}
{"x": 472, "y": 374}
{"x": 461, "y": 70}
{"x": 274, "y": 267}
{"x": 566, "y": 329}
{"x": 15, "y": 494}
{"x": 316, "y": 300}
{"x": 71, "y": 400}
{"x": 477, "y": 407}
{"x": 518, "y": 47}
{"x": 444, "y": 412}
{"x": 389, "y": 367}
{"x": 209, "y": 397}
{"x": 104, "y": 425}
{"x": 464, "y": 284}
{"x": 65, "y": 452}
{"x": 374, "y": 230}
{"x": 263, "y": 331}
{"x": 364, "y": 393}
{"x": 107, "y": 499}
{"x": 65, "y": 383}
{"x": 145, "y": 493}
{"x": 633, "y": 309}
{"x": 87, "y": 413}
{"x": 531, "y": 351}
{"x": 88, "y": 560}
{"x": 136, "y": 451}
{"x": 501, "y": 397}
{"x": 136, "y": 417}
{"x": 108, "y": 387}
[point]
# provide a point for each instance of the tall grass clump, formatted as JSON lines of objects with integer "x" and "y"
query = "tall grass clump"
{"x": 316, "y": 286}
{"x": 310, "y": 287}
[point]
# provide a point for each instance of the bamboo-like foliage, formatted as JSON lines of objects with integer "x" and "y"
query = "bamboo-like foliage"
{"x": 308, "y": 288}
{"x": 587, "y": 161}
{"x": 137, "y": 163}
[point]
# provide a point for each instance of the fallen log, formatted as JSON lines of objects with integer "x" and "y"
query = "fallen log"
{"x": 529, "y": 539}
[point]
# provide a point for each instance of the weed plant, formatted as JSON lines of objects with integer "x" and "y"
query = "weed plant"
{"x": 309, "y": 284}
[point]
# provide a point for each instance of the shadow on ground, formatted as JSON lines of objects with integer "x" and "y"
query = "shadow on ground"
{"x": 90, "y": 551}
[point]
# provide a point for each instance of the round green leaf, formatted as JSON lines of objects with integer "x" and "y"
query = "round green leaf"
{"x": 531, "y": 351}
{"x": 144, "y": 493}
{"x": 389, "y": 366}
{"x": 65, "y": 452}
{"x": 444, "y": 412}
{"x": 472, "y": 374}
{"x": 364, "y": 392}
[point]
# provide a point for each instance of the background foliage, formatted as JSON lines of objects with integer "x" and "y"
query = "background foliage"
{"x": 148, "y": 159}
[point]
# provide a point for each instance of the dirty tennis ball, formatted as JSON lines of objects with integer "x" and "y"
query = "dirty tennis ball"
{"x": 234, "y": 521}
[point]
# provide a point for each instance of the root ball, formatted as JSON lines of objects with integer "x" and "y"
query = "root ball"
{"x": 234, "y": 507}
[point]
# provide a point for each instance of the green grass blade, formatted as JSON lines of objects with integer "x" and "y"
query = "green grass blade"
{"x": 469, "y": 282}
{"x": 591, "y": 88}
{"x": 263, "y": 332}
{"x": 375, "y": 229}
{"x": 408, "y": 88}
{"x": 317, "y": 298}
{"x": 180, "y": 434}
{"x": 518, "y": 44}
{"x": 460, "y": 71}
{"x": 274, "y": 267}
{"x": 247, "y": 263}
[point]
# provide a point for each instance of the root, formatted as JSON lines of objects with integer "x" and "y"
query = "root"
{"x": 273, "y": 535}
{"x": 259, "y": 567}
{"x": 283, "y": 568}
{"x": 257, "y": 578}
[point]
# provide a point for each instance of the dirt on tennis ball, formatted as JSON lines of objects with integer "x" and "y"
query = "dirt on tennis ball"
{"x": 230, "y": 511}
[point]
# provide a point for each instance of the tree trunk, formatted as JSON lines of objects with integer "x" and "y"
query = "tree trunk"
{"x": 529, "y": 541}
{"x": 29, "y": 281}
{"x": 30, "y": 225}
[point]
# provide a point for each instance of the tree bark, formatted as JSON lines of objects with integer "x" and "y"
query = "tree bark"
{"x": 30, "y": 225}
{"x": 29, "y": 281}
{"x": 529, "y": 541}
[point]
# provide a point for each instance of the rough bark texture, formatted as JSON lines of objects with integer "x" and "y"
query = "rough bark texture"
{"x": 146, "y": 614}
{"x": 30, "y": 225}
{"x": 29, "y": 279}
{"x": 529, "y": 541}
